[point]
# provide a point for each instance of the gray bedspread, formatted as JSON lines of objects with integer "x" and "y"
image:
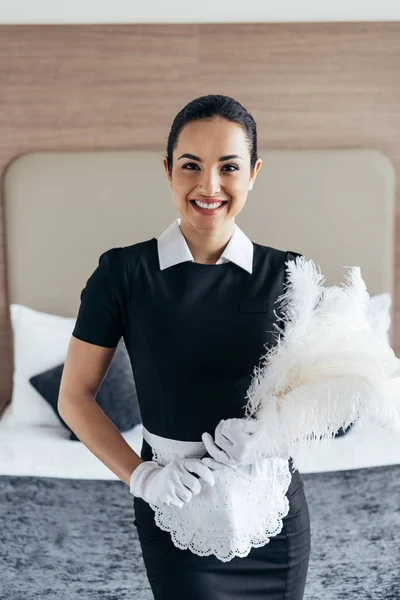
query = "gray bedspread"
{"x": 73, "y": 539}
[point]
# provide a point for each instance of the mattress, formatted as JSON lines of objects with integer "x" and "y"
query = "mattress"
{"x": 48, "y": 452}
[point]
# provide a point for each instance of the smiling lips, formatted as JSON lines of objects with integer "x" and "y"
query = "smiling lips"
{"x": 208, "y": 200}
{"x": 219, "y": 205}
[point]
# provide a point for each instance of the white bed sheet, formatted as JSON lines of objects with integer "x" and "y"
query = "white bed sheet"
{"x": 47, "y": 451}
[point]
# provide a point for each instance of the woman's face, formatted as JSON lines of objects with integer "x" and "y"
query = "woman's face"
{"x": 211, "y": 163}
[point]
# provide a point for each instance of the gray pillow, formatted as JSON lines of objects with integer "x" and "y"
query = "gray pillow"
{"x": 117, "y": 395}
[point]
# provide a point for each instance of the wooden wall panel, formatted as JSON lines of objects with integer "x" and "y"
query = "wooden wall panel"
{"x": 332, "y": 85}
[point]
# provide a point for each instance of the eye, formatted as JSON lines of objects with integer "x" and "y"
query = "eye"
{"x": 235, "y": 167}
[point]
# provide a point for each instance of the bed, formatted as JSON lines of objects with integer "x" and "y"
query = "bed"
{"x": 66, "y": 520}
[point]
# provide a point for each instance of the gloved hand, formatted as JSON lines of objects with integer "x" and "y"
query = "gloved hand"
{"x": 236, "y": 444}
{"x": 169, "y": 484}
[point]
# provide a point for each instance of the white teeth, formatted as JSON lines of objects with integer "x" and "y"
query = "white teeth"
{"x": 209, "y": 206}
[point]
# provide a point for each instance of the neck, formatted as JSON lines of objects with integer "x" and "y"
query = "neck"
{"x": 207, "y": 245}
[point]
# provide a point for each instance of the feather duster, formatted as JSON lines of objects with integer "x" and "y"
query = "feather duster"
{"x": 327, "y": 369}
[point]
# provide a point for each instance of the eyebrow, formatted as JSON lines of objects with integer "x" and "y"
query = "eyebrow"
{"x": 221, "y": 158}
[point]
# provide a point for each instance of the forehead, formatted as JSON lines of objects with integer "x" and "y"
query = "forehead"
{"x": 217, "y": 136}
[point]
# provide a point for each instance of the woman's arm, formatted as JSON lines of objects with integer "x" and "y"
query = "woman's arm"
{"x": 85, "y": 367}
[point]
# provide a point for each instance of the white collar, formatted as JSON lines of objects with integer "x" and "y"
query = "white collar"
{"x": 173, "y": 248}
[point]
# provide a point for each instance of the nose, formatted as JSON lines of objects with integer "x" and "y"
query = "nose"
{"x": 210, "y": 183}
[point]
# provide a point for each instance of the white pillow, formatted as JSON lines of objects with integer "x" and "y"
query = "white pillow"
{"x": 379, "y": 314}
{"x": 40, "y": 343}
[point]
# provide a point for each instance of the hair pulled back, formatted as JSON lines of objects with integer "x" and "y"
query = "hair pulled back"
{"x": 208, "y": 107}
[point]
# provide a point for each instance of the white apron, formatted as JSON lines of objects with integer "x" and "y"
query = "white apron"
{"x": 239, "y": 512}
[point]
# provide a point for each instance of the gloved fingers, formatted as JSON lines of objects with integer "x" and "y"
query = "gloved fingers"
{"x": 242, "y": 433}
{"x": 183, "y": 493}
{"x": 194, "y": 465}
{"x": 214, "y": 465}
{"x": 242, "y": 426}
{"x": 222, "y": 440}
{"x": 174, "y": 500}
{"x": 191, "y": 482}
{"x": 213, "y": 450}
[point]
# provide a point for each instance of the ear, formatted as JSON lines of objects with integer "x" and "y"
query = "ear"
{"x": 165, "y": 164}
{"x": 257, "y": 167}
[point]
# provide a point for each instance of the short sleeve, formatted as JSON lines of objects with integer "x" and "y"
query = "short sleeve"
{"x": 103, "y": 312}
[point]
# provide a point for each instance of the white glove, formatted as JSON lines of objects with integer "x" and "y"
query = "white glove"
{"x": 236, "y": 444}
{"x": 169, "y": 484}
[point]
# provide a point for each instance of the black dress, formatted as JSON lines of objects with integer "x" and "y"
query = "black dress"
{"x": 194, "y": 333}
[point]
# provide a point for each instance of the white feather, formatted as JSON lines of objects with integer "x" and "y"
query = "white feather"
{"x": 327, "y": 369}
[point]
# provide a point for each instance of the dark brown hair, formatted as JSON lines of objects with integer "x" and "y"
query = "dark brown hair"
{"x": 207, "y": 107}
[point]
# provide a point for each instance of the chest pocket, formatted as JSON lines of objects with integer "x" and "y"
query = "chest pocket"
{"x": 255, "y": 330}
{"x": 254, "y": 306}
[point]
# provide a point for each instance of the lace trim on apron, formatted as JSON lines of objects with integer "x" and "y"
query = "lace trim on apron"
{"x": 241, "y": 511}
